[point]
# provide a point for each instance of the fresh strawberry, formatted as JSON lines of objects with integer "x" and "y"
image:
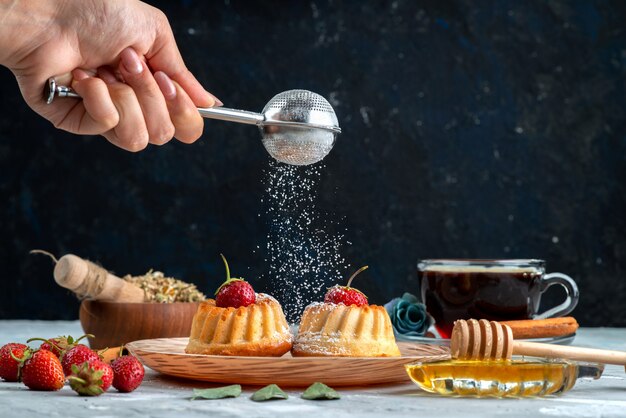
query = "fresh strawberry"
{"x": 346, "y": 294}
{"x": 77, "y": 355}
{"x": 234, "y": 292}
{"x": 8, "y": 365}
{"x": 60, "y": 344}
{"x": 91, "y": 378}
{"x": 55, "y": 345}
{"x": 42, "y": 370}
{"x": 128, "y": 373}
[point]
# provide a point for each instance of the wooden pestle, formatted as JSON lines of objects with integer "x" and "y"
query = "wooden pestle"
{"x": 90, "y": 281}
{"x": 485, "y": 340}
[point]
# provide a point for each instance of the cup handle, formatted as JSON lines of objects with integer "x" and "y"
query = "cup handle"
{"x": 570, "y": 288}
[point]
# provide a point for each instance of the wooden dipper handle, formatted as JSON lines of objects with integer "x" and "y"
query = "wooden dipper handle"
{"x": 573, "y": 353}
{"x": 490, "y": 340}
{"x": 90, "y": 281}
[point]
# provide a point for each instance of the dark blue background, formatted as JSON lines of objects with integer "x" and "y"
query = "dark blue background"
{"x": 491, "y": 130}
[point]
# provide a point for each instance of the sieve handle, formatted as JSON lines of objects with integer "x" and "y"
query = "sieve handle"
{"x": 52, "y": 90}
{"x": 232, "y": 115}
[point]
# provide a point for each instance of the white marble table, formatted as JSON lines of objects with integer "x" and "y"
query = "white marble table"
{"x": 160, "y": 396}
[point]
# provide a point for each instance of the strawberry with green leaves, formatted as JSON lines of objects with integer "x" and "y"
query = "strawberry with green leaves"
{"x": 234, "y": 292}
{"x": 92, "y": 378}
{"x": 77, "y": 356}
{"x": 59, "y": 345}
{"x": 8, "y": 365}
{"x": 346, "y": 294}
{"x": 41, "y": 370}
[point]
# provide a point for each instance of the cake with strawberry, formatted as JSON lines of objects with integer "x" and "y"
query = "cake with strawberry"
{"x": 345, "y": 325}
{"x": 239, "y": 322}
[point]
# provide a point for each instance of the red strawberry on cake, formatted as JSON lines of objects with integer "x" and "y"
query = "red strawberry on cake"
{"x": 346, "y": 294}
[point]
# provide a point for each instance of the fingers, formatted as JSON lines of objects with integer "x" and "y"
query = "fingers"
{"x": 167, "y": 109}
{"x": 182, "y": 111}
{"x": 131, "y": 132}
{"x": 131, "y": 116}
{"x": 137, "y": 75}
{"x": 143, "y": 108}
{"x": 109, "y": 108}
{"x": 99, "y": 114}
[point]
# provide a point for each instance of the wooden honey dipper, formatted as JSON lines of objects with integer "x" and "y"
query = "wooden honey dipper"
{"x": 90, "y": 281}
{"x": 484, "y": 340}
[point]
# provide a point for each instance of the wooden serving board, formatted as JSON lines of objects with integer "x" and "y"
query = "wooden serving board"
{"x": 167, "y": 356}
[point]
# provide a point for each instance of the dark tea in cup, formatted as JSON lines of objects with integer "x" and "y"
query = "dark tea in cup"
{"x": 496, "y": 290}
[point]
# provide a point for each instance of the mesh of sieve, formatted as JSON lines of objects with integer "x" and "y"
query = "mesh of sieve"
{"x": 300, "y": 127}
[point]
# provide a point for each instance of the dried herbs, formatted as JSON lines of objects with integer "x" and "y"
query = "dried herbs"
{"x": 161, "y": 289}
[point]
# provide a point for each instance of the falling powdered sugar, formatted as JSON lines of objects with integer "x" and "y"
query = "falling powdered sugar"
{"x": 303, "y": 242}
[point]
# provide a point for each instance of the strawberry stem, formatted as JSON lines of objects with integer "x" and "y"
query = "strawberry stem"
{"x": 28, "y": 353}
{"x": 84, "y": 336}
{"x": 53, "y": 345}
{"x": 18, "y": 359}
{"x": 356, "y": 273}
{"x": 228, "y": 278}
{"x": 227, "y": 269}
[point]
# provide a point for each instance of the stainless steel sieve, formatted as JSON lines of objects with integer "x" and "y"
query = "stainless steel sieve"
{"x": 298, "y": 127}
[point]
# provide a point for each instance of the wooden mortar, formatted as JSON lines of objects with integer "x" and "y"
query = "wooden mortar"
{"x": 116, "y": 324}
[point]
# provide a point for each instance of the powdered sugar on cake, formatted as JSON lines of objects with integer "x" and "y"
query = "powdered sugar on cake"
{"x": 330, "y": 329}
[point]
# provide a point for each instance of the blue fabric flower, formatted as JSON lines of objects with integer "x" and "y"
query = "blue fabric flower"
{"x": 408, "y": 316}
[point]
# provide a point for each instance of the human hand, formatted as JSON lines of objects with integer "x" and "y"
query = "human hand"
{"x": 119, "y": 55}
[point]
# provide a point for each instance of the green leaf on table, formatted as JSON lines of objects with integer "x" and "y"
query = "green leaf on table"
{"x": 231, "y": 391}
{"x": 268, "y": 392}
{"x": 320, "y": 391}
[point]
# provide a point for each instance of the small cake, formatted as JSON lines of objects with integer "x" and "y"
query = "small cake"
{"x": 239, "y": 322}
{"x": 259, "y": 329}
{"x": 334, "y": 329}
{"x": 345, "y": 325}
